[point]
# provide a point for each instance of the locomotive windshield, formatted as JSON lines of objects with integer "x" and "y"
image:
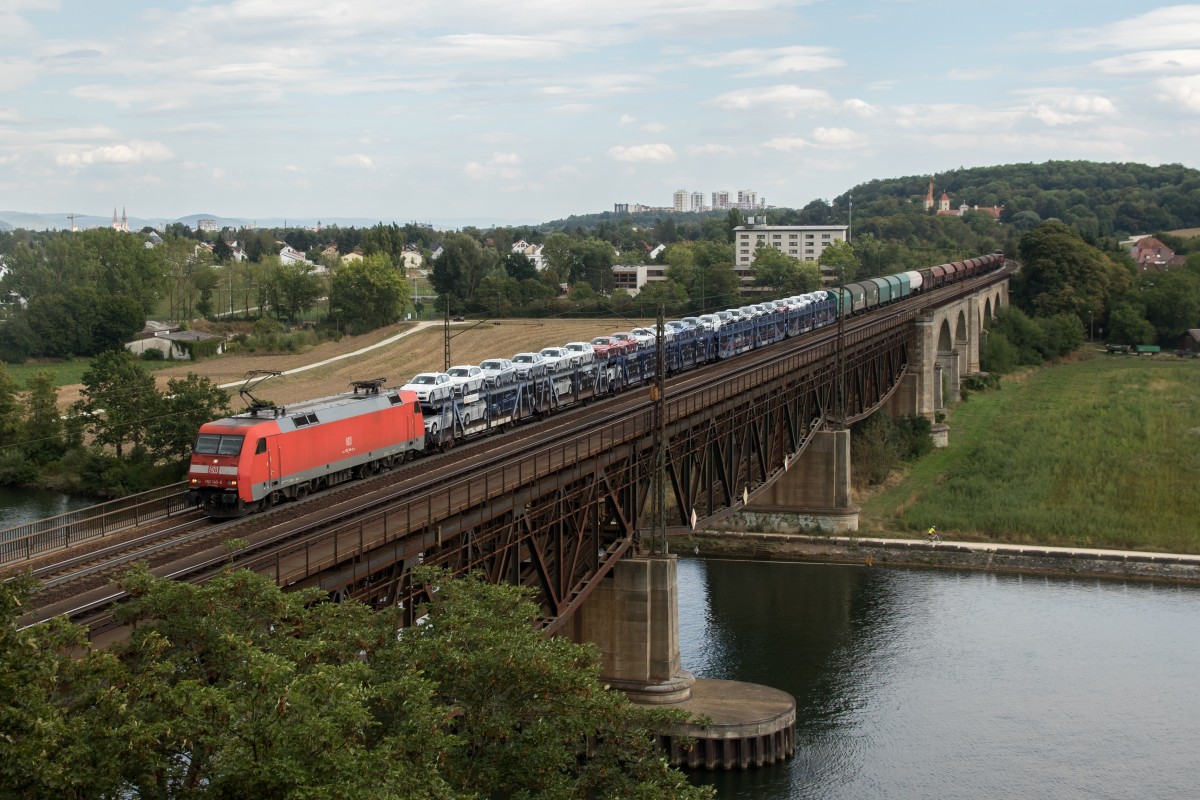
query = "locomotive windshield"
{"x": 218, "y": 444}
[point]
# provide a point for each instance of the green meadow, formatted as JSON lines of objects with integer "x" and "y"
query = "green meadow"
{"x": 1103, "y": 451}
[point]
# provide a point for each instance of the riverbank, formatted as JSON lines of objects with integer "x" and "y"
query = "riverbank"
{"x": 1093, "y": 452}
{"x": 985, "y": 556}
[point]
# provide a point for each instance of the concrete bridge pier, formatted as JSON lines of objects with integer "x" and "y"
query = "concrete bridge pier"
{"x": 634, "y": 619}
{"x": 812, "y": 494}
{"x": 633, "y": 616}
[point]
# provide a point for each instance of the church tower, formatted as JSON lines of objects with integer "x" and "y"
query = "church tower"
{"x": 929, "y": 195}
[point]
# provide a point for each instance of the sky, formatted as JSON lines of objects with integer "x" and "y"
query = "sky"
{"x": 483, "y": 112}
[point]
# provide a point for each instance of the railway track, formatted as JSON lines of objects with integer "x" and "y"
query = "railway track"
{"x": 194, "y": 548}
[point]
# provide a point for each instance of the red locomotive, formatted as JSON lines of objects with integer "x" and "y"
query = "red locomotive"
{"x": 249, "y": 461}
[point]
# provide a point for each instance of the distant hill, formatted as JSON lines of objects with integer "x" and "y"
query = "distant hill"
{"x": 1101, "y": 199}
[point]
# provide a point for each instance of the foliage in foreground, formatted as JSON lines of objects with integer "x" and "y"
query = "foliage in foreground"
{"x": 237, "y": 689}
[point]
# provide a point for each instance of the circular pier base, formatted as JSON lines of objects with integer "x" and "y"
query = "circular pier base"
{"x": 752, "y": 725}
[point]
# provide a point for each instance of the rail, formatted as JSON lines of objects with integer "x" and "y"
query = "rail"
{"x": 24, "y": 542}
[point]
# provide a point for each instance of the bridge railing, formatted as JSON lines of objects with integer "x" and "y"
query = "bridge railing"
{"x": 23, "y": 542}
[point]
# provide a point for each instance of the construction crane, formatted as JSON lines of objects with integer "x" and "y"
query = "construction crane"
{"x": 72, "y": 218}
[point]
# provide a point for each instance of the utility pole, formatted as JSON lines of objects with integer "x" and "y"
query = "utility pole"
{"x": 660, "y": 428}
{"x": 446, "y": 336}
{"x": 841, "y": 347}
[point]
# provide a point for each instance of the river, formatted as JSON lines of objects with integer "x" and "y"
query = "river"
{"x": 940, "y": 684}
{"x": 18, "y": 506}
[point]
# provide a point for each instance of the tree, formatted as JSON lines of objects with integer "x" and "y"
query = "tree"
{"x": 1063, "y": 274}
{"x": 457, "y": 273}
{"x": 368, "y": 293}
{"x": 1128, "y": 325}
{"x": 292, "y": 289}
{"x": 222, "y": 250}
{"x": 840, "y": 259}
{"x": 533, "y": 716}
{"x": 42, "y": 441}
{"x": 10, "y": 409}
{"x": 119, "y": 398}
{"x": 233, "y": 688}
{"x": 518, "y": 266}
{"x": 783, "y": 273}
{"x": 189, "y": 402}
{"x": 1172, "y": 301}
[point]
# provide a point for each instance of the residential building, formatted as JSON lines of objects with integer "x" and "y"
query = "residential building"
{"x": 534, "y": 252}
{"x": 681, "y": 199}
{"x": 720, "y": 201}
{"x": 747, "y": 200}
{"x": 698, "y": 201}
{"x": 1150, "y": 254}
{"x": 290, "y": 255}
{"x": 805, "y": 242}
{"x": 632, "y": 277}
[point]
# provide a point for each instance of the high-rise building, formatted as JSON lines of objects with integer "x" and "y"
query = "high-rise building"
{"x": 697, "y": 201}
{"x": 681, "y": 198}
{"x": 747, "y": 200}
{"x": 720, "y": 201}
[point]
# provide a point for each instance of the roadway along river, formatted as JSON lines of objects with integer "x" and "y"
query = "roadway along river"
{"x": 939, "y": 684}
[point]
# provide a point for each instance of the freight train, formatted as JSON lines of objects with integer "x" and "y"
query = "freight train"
{"x": 270, "y": 453}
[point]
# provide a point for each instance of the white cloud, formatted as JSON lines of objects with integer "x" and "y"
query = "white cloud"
{"x": 787, "y": 144}
{"x": 627, "y": 119}
{"x": 15, "y": 72}
{"x": 953, "y": 117}
{"x": 1067, "y": 107}
{"x": 500, "y": 165}
{"x": 836, "y": 137}
{"x": 1166, "y": 27}
{"x": 134, "y": 152}
{"x": 859, "y": 107}
{"x": 1159, "y": 62}
{"x": 1183, "y": 91}
{"x": 711, "y": 150}
{"x": 654, "y": 127}
{"x": 354, "y": 161}
{"x": 780, "y": 96}
{"x": 642, "y": 152}
{"x": 772, "y": 62}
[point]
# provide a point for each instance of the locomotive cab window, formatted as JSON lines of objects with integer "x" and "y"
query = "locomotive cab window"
{"x": 262, "y": 446}
{"x": 218, "y": 444}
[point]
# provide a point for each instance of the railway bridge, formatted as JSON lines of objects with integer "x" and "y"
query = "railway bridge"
{"x": 567, "y": 506}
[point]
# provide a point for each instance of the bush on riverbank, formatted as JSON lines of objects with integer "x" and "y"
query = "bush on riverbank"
{"x": 1097, "y": 452}
{"x": 881, "y": 444}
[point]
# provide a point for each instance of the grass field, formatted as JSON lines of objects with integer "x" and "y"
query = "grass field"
{"x": 1100, "y": 452}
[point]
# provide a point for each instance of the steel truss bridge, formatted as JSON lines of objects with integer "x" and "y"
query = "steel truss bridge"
{"x": 557, "y": 512}
{"x": 555, "y": 505}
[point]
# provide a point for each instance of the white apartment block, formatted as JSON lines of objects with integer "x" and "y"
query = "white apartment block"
{"x": 805, "y": 242}
{"x": 681, "y": 199}
{"x": 720, "y": 201}
{"x": 698, "y": 201}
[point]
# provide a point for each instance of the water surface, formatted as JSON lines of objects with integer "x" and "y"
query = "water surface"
{"x": 938, "y": 684}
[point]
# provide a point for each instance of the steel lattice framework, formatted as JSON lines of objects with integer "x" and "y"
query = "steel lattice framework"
{"x": 558, "y": 517}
